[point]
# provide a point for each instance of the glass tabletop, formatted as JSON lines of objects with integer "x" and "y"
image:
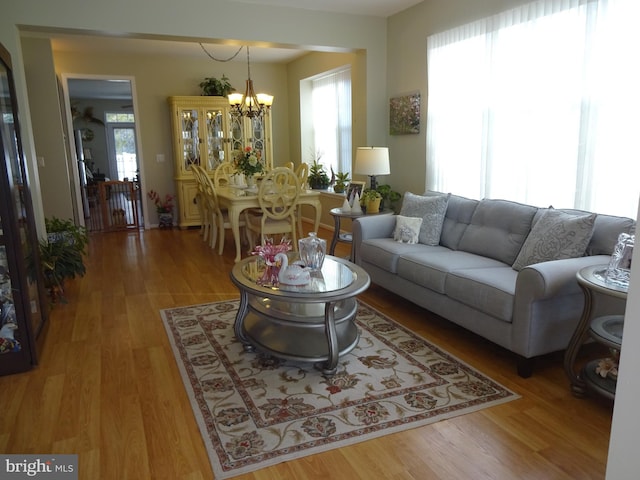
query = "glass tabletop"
{"x": 333, "y": 276}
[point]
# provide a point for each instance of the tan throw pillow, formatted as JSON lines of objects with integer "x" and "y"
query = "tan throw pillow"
{"x": 407, "y": 229}
{"x": 555, "y": 236}
{"x": 431, "y": 209}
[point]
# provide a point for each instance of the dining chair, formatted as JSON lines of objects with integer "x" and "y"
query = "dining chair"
{"x": 290, "y": 165}
{"x": 201, "y": 201}
{"x": 278, "y": 199}
{"x": 303, "y": 173}
{"x": 218, "y": 218}
{"x": 223, "y": 173}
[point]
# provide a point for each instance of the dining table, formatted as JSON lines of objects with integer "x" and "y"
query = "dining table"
{"x": 236, "y": 200}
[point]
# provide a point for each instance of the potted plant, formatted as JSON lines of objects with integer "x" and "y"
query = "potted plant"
{"x": 342, "y": 178}
{"x": 164, "y": 208}
{"x": 318, "y": 178}
{"x": 61, "y": 255}
{"x": 370, "y": 200}
{"x": 389, "y": 196}
{"x": 212, "y": 86}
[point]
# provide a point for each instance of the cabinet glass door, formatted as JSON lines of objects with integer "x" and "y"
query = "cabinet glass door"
{"x": 21, "y": 294}
{"x": 215, "y": 138}
{"x": 190, "y": 140}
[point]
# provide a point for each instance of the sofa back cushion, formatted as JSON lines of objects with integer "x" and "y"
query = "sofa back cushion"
{"x": 458, "y": 217}
{"x": 498, "y": 229}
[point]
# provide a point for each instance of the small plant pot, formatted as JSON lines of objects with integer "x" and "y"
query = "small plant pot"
{"x": 373, "y": 206}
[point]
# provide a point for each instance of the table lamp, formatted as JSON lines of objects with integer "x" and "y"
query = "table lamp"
{"x": 372, "y": 161}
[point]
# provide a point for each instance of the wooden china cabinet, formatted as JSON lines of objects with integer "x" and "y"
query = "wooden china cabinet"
{"x": 22, "y": 297}
{"x": 206, "y": 132}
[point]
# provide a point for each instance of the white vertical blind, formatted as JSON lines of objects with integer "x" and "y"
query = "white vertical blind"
{"x": 331, "y": 105}
{"x": 539, "y": 104}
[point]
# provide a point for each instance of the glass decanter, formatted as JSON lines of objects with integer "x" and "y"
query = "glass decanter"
{"x": 312, "y": 251}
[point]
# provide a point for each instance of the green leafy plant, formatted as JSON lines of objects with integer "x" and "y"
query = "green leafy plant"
{"x": 342, "y": 178}
{"x": 212, "y": 86}
{"x": 61, "y": 255}
{"x": 318, "y": 178}
{"x": 389, "y": 197}
{"x": 369, "y": 195}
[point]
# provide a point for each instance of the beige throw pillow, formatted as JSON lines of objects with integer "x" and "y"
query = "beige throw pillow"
{"x": 407, "y": 229}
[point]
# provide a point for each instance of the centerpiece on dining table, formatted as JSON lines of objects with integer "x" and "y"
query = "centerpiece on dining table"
{"x": 248, "y": 162}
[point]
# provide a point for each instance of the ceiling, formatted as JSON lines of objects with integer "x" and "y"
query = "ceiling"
{"x": 71, "y": 42}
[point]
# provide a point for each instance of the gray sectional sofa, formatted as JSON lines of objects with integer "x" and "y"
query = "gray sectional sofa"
{"x": 503, "y": 270}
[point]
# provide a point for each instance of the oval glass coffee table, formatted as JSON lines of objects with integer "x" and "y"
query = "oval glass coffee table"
{"x": 309, "y": 323}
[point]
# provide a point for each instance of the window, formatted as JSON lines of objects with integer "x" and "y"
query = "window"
{"x": 121, "y": 145}
{"x": 539, "y": 105}
{"x": 326, "y": 119}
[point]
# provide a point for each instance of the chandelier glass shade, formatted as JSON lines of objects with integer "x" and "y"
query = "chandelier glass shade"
{"x": 250, "y": 104}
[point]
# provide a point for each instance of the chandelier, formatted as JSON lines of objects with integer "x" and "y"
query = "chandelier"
{"x": 251, "y": 104}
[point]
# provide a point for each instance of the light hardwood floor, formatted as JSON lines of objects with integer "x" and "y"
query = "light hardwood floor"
{"x": 107, "y": 387}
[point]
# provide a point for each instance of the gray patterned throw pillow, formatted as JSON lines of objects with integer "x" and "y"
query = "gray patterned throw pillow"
{"x": 555, "y": 236}
{"x": 431, "y": 209}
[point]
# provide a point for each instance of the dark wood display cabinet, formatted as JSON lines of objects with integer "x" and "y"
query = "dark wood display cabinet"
{"x": 23, "y": 314}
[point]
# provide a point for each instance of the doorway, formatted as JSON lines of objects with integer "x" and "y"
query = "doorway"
{"x": 104, "y": 148}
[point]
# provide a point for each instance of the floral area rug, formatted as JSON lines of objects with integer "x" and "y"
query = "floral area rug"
{"x": 255, "y": 410}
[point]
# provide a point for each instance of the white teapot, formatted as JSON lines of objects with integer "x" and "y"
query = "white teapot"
{"x": 293, "y": 274}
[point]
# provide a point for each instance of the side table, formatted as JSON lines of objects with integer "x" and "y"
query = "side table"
{"x": 338, "y": 215}
{"x": 606, "y": 330}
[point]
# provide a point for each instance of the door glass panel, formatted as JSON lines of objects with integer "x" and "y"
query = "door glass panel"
{"x": 215, "y": 139}
{"x": 190, "y": 139}
{"x": 125, "y": 149}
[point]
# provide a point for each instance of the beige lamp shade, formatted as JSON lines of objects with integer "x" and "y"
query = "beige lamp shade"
{"x": 372, "y": 161}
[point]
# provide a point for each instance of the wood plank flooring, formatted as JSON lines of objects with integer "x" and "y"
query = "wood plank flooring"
{"x": 108, "y": 389}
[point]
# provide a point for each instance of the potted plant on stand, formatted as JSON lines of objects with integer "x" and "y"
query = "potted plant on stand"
{"x": 164, "y": 208}
{"x": 370, "y": 200}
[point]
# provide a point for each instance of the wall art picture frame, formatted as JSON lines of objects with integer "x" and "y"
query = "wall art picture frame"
{"x": 404, "y": 114}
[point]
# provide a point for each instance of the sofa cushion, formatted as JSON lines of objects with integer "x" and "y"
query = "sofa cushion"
{"x": 490, "y": 290}
{"x": 431, "y": 209}
{"x": 498, "y": 229}
{"x": 429, "y": 267}
{"x": 555, "y": 236}
{"x": 385, "y": 252}
{"x": 458, "y": 217}
{"x": 606, "y": 230}
{"x": 407, "y": 229}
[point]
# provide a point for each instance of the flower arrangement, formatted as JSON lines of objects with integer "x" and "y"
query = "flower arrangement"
{"x": 248, "y": 161}
{"x": 162, "y": 206}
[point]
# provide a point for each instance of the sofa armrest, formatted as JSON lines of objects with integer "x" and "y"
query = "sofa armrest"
{"x": 555, "y": 278}
{"x": 368, "y": 227}
{"x": 548, "y": 305}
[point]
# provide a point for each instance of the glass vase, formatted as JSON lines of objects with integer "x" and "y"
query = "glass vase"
{"x": 312, "y": 251}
